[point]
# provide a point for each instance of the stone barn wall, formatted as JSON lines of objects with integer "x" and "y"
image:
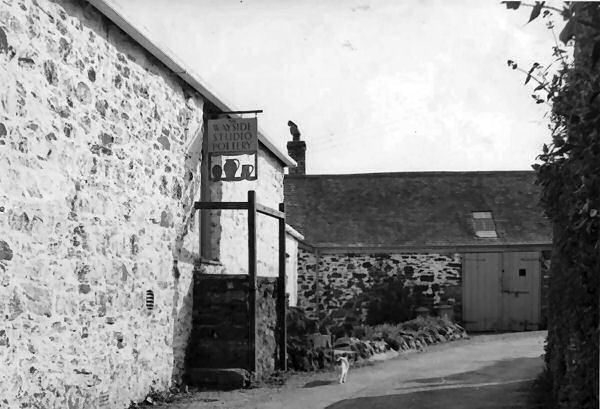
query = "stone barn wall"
{"x": 308, "y": 297}
{"x": 99, "y": 169}
{"x": 344, "y": 281}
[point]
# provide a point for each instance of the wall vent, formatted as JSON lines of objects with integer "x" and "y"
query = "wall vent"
{"x": 150, "y": 299}
{"x": 103, "y": 400}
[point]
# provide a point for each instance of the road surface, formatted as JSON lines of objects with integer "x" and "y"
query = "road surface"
{"x": 484, "y": 372}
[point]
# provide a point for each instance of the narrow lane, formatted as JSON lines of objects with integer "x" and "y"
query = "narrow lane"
{"x": 504, "y": 384}
{"x": 488, "y": 371}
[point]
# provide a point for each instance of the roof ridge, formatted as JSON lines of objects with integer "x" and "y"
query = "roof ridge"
{"x": 417, "y": 173}
{"x": 173, "y": 62}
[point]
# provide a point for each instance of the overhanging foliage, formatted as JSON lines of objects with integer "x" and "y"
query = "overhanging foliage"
{"x": 569, "y": 174}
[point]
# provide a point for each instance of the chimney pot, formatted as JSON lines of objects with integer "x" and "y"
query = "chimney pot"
{"x": 297, "y": 151}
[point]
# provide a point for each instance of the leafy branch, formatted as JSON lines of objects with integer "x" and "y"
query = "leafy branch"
{"x": 568, "y": 12}
{"x": 536, "y": 8}
{"x": 537, "y": 72}
{"x": 542, "y": 83}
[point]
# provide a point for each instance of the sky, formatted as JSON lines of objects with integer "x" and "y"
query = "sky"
{"x": 373, "y": 85}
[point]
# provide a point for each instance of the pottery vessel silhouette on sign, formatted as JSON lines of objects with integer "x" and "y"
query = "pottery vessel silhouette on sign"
{"x": 217, "y": 172}
{"x": 247, "y": 171}
{"x": 230, "y": 167}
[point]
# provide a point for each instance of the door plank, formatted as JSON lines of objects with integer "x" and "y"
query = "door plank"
{"x": 482, "y": 291}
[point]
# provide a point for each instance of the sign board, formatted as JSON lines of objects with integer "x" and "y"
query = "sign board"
{"x": 230, "y": 136}
{"x": 232, "y": 146}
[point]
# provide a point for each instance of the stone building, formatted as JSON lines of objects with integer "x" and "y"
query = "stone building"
{"x": 476, "y": 241}
{"x": 101, "y": 135}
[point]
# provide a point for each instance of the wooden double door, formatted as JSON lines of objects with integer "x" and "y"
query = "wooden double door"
{"x": 501, "y": 291}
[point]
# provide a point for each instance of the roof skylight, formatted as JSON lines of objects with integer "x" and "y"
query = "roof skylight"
{"x": 483, "y": 224}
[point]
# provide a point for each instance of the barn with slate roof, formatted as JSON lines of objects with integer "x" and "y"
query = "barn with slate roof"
{"x": 474, "y": 241}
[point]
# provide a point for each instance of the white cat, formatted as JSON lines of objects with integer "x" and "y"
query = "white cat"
{"x": 344, "y": 365}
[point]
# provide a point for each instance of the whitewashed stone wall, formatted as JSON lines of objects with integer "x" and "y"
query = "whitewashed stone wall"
{"x": 332, "y": 284}
{"x": 291, "y": 269}
{"x": 229, "y": 228}
{"x": 99, "y": 169}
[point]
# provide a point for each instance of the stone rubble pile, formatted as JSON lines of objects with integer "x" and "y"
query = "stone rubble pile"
{"x": 304, "y": 354}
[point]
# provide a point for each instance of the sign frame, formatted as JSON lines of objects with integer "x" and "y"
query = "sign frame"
{"x": 232, "y": 138}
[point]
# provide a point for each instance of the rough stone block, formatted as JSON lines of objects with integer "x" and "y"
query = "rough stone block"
{"x": 6, "y": 252}
{"x": 4, "y": 341}
{"x": 38, "y": 299}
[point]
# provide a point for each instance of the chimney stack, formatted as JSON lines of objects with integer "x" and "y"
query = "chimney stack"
{"x": 297, "y": 150}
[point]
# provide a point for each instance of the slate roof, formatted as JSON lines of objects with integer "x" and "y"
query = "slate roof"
{"x": 418, "y": 209}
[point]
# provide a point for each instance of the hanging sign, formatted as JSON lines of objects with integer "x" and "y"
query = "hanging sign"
{"x": 232, "y": 146}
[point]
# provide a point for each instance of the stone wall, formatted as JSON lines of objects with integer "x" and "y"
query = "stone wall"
{"x": 344, "y": 281}
{"x": 221, "y": 323}
{"x": 99, "y": 169}
{"x": 266, "y": 326}
{"x": 308, "y": 297}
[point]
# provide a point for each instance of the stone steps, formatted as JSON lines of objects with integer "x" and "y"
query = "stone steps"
{"x": 218, "y": 378}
